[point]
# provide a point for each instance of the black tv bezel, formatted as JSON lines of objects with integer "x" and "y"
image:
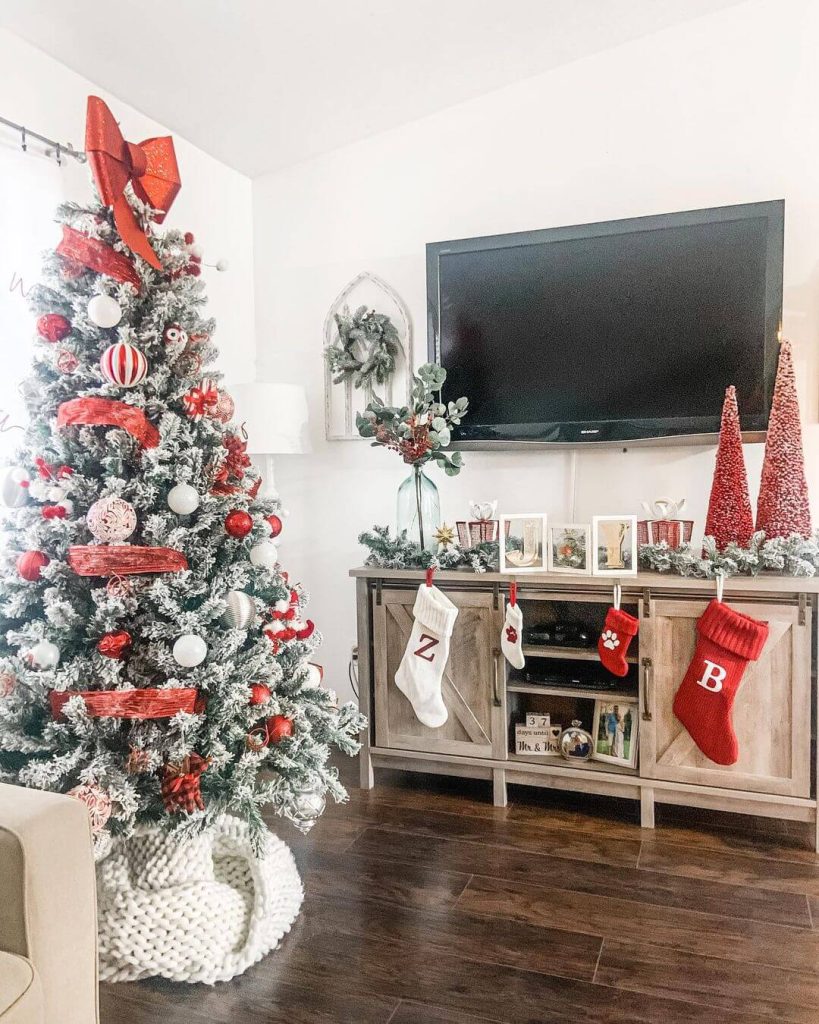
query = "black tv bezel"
{"x": 691, "y": 431}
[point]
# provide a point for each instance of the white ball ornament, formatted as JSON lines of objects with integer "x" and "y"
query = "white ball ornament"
{"x": 240, "y": 611}
{"x": 14, "y": 490}
{"x": 44, "y": 654}
{"x": 123, "y": 364}
{"x": 222, "y": 265}
{"x": 183, "y": 499}
{"x": 111, "y": 520}
{"x": 104, "y": 311}
{"x": 190, "y": 650}
{"x": 265, "y": 554}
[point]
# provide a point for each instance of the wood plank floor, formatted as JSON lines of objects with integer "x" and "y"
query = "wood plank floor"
{"x": 427, "y": 905}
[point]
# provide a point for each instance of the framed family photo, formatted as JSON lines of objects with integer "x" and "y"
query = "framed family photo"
{"x": 614, "y": 545}
{"x": 570, "y": 548}
{"x": 523, "y": 542}
{"x": 616, "y": 724}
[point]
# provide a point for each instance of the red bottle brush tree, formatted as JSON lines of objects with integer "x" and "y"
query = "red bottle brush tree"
{"x": 782, "y": 507}
{"x": 729, "y": 508}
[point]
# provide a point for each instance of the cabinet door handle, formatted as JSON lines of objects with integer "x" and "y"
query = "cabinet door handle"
{"x": 648, "y": 667}
{"x": 496, "y": 698}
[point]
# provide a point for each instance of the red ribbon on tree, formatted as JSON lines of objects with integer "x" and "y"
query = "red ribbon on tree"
{"x": 106, "y": 412}
{"x": 80, "y": 250}
{"x": 150, "y": 167}
{"x": 139, "y": 704}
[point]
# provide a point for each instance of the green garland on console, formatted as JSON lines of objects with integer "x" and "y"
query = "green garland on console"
{"x": 389, "y": 552}
{"x": 785, "y": 556}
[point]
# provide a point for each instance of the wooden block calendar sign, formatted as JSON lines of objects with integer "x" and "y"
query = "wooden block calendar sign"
{"x": 536, "y": 721}
{"x": 537, "y": 741}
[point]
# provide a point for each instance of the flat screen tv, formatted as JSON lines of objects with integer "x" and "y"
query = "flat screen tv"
{"x": 620, "y": 332}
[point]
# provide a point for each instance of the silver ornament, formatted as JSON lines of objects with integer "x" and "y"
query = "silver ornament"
{"x": 14, "y": 492}
{"x": 240, "y": 610}
{"x": 306, "y": 807}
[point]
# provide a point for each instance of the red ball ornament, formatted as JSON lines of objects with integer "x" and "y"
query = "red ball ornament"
{"x": 275, "y": 525}
{"x": 53, "y": 327}
{"x": 259, "y": 693}
{"x": 279, "y": 727}
{"x": 123, "y": 364}
{"x": 238, "y": 523}
{"x": 114, "y": 645}
{"x": 30, "y": 563}
{"x": 189, "y": 238}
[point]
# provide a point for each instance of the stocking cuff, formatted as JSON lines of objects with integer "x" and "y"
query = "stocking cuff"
{"x": 621, "y": 622}
{"x": 732, "y": 630}
{"x": 435, "y": 611}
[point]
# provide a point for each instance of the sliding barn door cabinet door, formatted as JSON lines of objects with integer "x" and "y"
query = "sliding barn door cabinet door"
{"x": 472, "y": 687}
{"x": 772, "y": 710}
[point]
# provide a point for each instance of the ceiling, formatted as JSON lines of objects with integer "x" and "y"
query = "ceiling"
{"x": 261, "y": 84}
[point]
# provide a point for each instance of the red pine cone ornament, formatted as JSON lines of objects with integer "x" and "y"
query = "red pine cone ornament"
{"x": 53, "y": 327}
{"x": 279, "y": 727}
{"x": 123, "y": 364}
{"x": 782, "y": 507}
{"x": 30, "y": 564}
{"x": 115, "y": 645}
{"x": 181, "y": 784}
{"x": 238, "y": 523}
{"x": 729, "y": 507}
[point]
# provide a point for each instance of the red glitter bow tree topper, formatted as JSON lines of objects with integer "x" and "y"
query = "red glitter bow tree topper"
{"x": 149, "y": 166}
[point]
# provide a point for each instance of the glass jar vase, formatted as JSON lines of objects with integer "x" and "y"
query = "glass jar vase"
{"x": 419, "y": 509}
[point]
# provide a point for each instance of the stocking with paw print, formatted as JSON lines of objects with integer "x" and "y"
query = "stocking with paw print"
{"x": 512, "y": 631}
{"x": 615, "y": 638}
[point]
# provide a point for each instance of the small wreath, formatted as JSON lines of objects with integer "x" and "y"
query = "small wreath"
{"x": 366, "y": 348}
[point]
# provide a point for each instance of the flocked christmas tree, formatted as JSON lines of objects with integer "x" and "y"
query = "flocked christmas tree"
{"x": 729, "y": 507}
{"x": 782, "y": 508}
{"x": 155, "y": 659}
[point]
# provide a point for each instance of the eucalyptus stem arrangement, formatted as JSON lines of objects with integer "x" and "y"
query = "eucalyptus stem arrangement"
{"x": 419, "y": 431}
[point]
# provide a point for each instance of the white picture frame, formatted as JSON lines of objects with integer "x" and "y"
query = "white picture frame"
{"x": 614, "y": 546}
{"x": 561, "y": 535}
{"x": 532, "y": 528}
{"x": 616, "y": 725}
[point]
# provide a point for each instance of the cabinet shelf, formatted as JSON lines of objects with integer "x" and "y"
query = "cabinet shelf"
{"x": 568, "y": 653}
{"x": 577, "y": 766}
{"x": 571, "y": 691}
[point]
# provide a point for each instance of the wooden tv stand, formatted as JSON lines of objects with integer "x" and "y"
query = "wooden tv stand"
{"x": 774, "y": 714}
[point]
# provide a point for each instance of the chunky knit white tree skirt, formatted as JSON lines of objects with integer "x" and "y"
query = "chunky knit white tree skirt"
{"x": 202, "y": 910}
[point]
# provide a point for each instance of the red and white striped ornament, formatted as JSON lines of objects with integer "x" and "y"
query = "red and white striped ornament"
{"x": 123, "y": 364}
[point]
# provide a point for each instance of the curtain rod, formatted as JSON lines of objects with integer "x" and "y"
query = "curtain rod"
{"x": 55, "y": 149}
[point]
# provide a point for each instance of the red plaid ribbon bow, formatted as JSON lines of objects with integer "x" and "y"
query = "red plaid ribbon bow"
{"x": 201, "y": 401}
{"x": 181, "y": 784}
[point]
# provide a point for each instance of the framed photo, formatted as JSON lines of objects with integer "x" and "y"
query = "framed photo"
{"x": 523, "y": 542}
{"x": 570, "y": 548}
{"x": 616, "y": 724}
{"x": 614, "y": 545}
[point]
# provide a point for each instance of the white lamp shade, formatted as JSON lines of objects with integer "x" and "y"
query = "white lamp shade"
{"x": 274, "y": 416}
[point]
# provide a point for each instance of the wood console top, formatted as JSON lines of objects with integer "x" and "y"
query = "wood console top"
{"x": 765, "y": 583}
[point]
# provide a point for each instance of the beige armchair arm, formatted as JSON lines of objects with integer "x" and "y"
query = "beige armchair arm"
{"x": 48, "y": 910}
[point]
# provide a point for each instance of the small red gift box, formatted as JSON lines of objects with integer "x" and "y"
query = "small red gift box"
{"x": 673, "y": 531}
{"x": 477, "y": 531}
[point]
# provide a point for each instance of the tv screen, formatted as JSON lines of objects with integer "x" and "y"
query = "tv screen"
{"x": 623, "y": 331}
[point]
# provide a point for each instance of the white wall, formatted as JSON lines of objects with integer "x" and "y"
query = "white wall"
{"x": 215, "y": 203}
{"x": 720, "y": 110}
